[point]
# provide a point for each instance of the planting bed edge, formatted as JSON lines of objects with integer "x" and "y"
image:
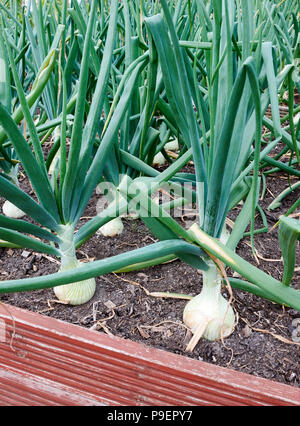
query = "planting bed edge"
{"x": 45, "y": 361}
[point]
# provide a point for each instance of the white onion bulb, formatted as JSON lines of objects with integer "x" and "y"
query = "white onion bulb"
{"x": 75, "y": 293}
{"x": 209, "y": 314}
{"x": 159, "y": 159}
{"x": 217, "y": 315}
{"x": 10, "y": 210}
{"x": 112, "y": 228}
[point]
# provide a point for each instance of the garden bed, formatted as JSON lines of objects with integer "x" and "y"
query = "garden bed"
{"x": 262, "y": 343}
{"x": 119, "y": 82}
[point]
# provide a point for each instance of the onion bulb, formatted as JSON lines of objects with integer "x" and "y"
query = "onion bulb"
{"x": 224, "y": 237}
{"x": 158, "y": 159}
{"x": 172, "y": 146}
{"x": 10, "y": 210}
{"x": 209, "y": 314}
{"x": 112, "y": 228}
{"x": 75, "y": 293}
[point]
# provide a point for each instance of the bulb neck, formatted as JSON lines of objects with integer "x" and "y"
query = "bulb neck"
{"x": 67, "y": 248}
{"x": 211, "y": 278}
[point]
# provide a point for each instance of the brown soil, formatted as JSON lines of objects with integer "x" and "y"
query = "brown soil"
{"x": 262, "y": 342}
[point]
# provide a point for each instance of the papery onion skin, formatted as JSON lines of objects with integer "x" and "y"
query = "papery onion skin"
{"x": 220, "y": 324}
{"x": 76, "y": 293}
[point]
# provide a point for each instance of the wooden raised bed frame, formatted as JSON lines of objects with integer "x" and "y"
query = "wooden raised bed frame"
{"x": 45, "y": 361}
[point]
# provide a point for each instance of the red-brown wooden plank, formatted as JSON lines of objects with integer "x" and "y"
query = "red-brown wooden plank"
{"x": 96, "y": 367}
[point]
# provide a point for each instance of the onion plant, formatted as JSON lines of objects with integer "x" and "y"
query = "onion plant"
{"x": 63, "y": 197}
{"x": 35, "y": 77}
{"x": 234, "y": 108}
{"x": 60, "y": 205}
{"x": 283, "y": 23}
{"x": 10, "y": 161}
